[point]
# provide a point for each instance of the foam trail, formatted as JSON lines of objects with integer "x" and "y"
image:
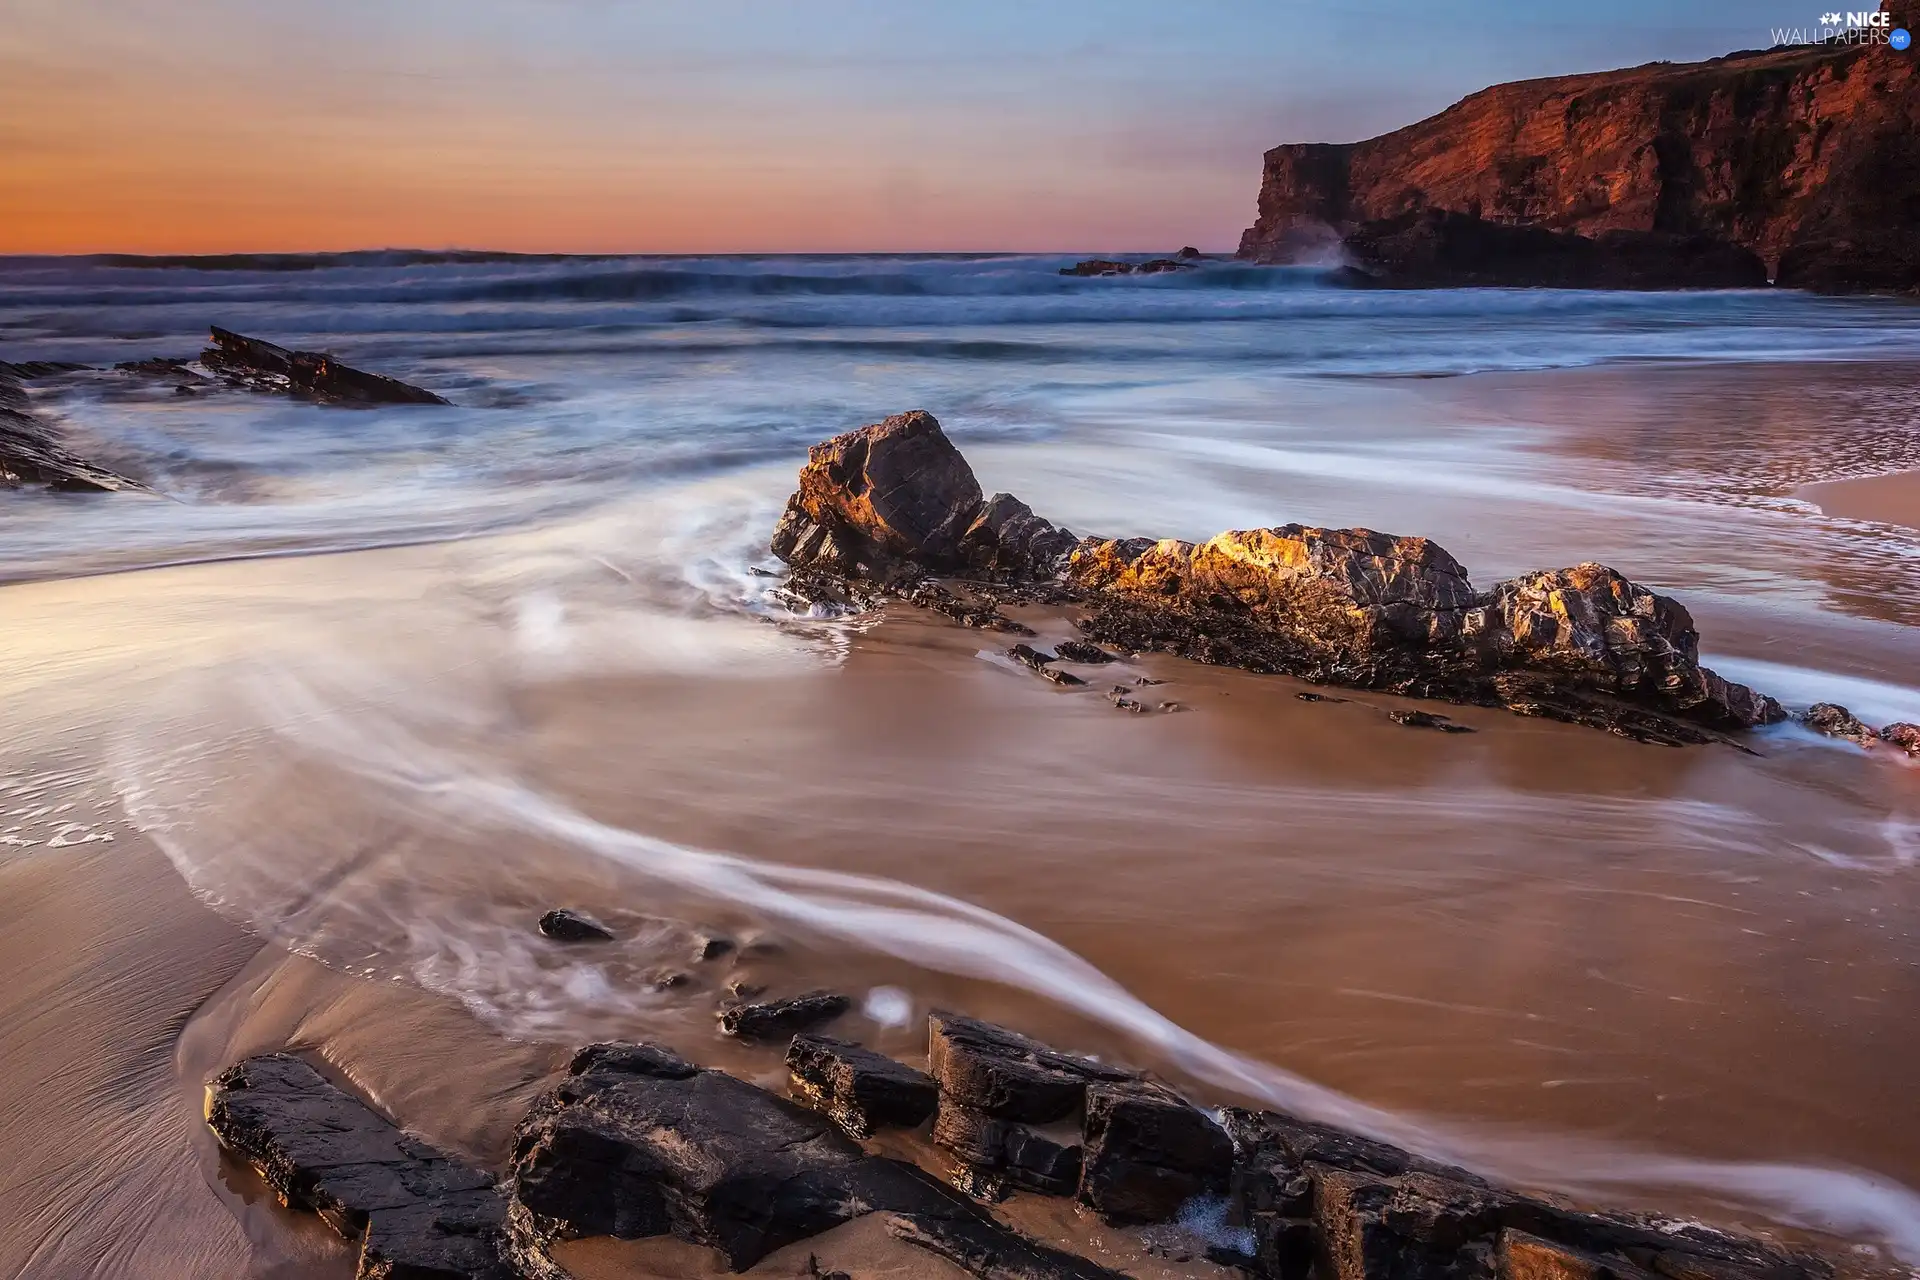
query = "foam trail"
{"x": 938, "y": 932}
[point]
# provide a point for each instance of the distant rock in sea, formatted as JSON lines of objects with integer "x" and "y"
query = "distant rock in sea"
{"x": 262, "y": 366}
{"x": 1804, "y": 155}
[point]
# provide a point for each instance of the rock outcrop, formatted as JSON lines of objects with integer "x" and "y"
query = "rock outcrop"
{"x": 1807, "y": 155}
{"x": 893, "y": 504}
{"x": 637, "y": 1142}
{"x": 414, "y": 1211}
{"x": 262, "y": 366}
{"x": 31, "y": 451}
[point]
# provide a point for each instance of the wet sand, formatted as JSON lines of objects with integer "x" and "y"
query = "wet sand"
{"x": 1892, "y": 499}
{"x": 1567, "y": 957}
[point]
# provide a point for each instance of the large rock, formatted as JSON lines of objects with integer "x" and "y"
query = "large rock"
{"x": 1148, "y": 1151}
{"x": 1003, "y": 1074}
{"x": 263, "y": 366}
{"x": 1433, "y": 249}
{"x": 895, "y": 502}
{"x": 637, "y": 1142}
{"x": 1806, "y": 155}
{"x": 417, "y": 1213}
{"x": 856, "y": 1088}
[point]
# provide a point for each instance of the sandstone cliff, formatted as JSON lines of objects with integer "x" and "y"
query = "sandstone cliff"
{"x": 1809, "y": 156}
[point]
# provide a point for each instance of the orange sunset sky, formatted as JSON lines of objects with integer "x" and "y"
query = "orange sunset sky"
{"x": 730, "y": 125}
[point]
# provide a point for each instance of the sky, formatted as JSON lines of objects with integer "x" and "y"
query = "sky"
{"x": 698, "y": 126}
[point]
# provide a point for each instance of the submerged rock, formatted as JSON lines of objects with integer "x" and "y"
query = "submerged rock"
{"x": 1098, "y": 267}
{"x": 262, "y": 366}
{"x": 563, "y": 925}
{"x": 1835, "y": 721}
{"x": 31, "y": 451}
{"x": 1426, "y": 720}
{"x": 415, "y": 1211}
{"x": 856, "y": 1088}
{"x": 780, "y": 1018}
{"x": 1082, "y": 651}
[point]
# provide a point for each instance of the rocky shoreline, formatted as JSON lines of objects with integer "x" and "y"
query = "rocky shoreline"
{"x": 636, "y": 1142}
{"x": 893, "y": 510}
{"x": 32, "y": 452}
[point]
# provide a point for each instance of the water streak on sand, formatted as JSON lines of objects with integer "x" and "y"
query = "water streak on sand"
{"x": 441, "y": 790}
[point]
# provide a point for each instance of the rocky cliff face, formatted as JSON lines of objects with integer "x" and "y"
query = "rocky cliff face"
{"x": 1809, "y": 156}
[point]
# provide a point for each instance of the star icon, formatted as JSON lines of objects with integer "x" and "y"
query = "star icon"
{"x": 1829, "y": 19}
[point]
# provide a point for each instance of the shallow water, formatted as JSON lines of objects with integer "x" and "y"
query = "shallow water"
{"x": 1674, "y": 978}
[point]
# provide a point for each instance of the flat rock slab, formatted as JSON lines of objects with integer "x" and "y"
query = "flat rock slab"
{"x": 637, "y": 1142}
{"x": 416, "y": 1211}
{"x": 1149, "y": 1151}
{"x": 1004, "y": 1074}
{"x": 856, "y": 1088}
{"x": 777, "y": 1019}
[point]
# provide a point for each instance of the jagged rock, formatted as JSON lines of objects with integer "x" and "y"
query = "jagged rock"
{"x": 1029, "y": 657}
{"x": 895, "y": 502}
{"x": 1520, "y": 1256}
{"x": 417, "y": 1212}
{"x": 1148, "y": 1151}
{"x": 1065, "y": 679}
{"x": 856, "y": 1088}
{"x": 1160, "y": 266}
{"x": 563, "y": 925}
{"x": 1598, "y": 630}
{"x": 777, "y": 1019}
{"x": 1836, "y": 721}
{"x": 892, "y": 503}
{"x": 1082, "y": 651}
{"x": 1426, "y": 720}
{"x": 1904, "y": 736}
{"x": 638, "y": 1143}
{"x": 1098, "y": 267}
{"x": 31, "y": 451}
{"x": 1003, "y": 1074}
{"x": 262, "y": 366}
{"x": 1190, "y": 254}
{"x": 1007, "y": 1152}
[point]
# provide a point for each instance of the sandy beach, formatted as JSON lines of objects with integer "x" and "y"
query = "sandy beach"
{"x": 1890, "y": 499}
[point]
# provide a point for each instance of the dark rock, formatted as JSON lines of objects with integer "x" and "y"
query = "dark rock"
{"x": 31, "y": 451}
{"x": 262, "y": 366}
{"x": 967, "y": 612}
{"x": 636, "y": 1143}
{"x": 856, "y": 1088}
{"x": 563, "y": 925}
{"x": 1160, "y": 266}
{"x": 1433, "y": 248}
{"x": 1904, "y": 736}
{"x": 1003, "y": 1074}
{"x": 1836, "y": 721}
{"x": 778, "y": 1019}
{"x": 669, "y": 980}
{"x": 1190, "y": 254}
{"x": 1065, "y": 679}
{"x": 745, "y": 990}
{"x": 1098, "y": 267}
{"x": 1082, "y": 651}
{"x": 1524, "y": 1257}
{"x": 711, "y": 946}
{"x": 1008, "y": 1152}
{"x": 1148, "y": 1151}
{"x": 895, "y": 502}
{"x": 1426, "y": 720}
{"x": 416, "y": 1211}
{"x": 1029, "y": 657}
{"x": 1318, "y": 697}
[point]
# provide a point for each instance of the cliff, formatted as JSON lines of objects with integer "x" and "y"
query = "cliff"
{"x": 1809, "y": 156}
